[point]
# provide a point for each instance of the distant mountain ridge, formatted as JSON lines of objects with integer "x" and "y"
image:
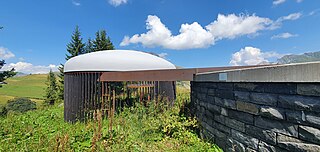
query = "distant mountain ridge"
{"x": 306, "y": 57}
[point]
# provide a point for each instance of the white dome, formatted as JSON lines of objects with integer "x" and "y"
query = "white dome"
{"x": 116, "y": 60}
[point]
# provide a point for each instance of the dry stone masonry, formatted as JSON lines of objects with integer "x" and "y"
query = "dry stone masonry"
{"x": 259, "y": 116}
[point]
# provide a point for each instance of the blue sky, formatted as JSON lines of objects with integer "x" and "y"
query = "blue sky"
{"x": 189, "y": 33}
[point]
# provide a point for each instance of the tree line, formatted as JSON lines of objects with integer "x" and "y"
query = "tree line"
{"x": 55, "y": 89}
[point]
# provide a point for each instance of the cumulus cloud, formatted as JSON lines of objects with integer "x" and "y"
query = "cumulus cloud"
{"x": 194, "y": 35}
{"x": 5, "y": 53}
{"x": 284, "y": 36}
{"x": 277, "y": 2}
{"x": 76, "y": 3}
{"x": 29, "y": 68}
{"x": 252, "y": 56}
{"x": 232, "y": 26}
{"x": 116, "y": 3}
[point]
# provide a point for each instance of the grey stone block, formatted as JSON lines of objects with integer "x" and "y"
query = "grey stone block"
{"x": 309, "y": 89}
{"x": 220, "y": 119}
{"x": 314, "y": 120}
{"x": 202, "y": 96}
{"x": 264, "y": 99}
{"x": 280, "y": 88}
{"x": 209, "y": 114}
{"x": 293, "y": 144}
{"x": 241, "y": 116}
{"x": 234, "y": 124}
{"x": 225, "y": 86}
{"x": 225, "y": 103}
{"x": 224, "y": 112}
{"x": 242, "y": 96}
{"x": 264, "y": 147}
{"x": 295, "y": 116}
{"x": 244, "y": 139}
{"x": 272, "y": 113}
{"x": 204, "y": 90}
{"x": 247, "y": 107}
{"x": 211, "y": 92}
{"x": 262, "y": 134}
{"x": 214, "y": 108}
{"x": 309, "y": 134}
{"x": 225, "y": 94}
{"x": 221, "y": 127}
{"x": 277, "y": 126}
{"x": 300, "y": 102}
{"x": 233, "y": 145}
{"x": 251, "y": 87}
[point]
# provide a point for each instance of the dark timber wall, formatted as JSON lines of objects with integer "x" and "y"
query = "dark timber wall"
{"x": 259, "y": 116}
{"x": 84, "y": 93}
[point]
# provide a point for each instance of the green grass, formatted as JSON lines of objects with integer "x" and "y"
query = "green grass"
{"x": 30, "y": 86}
{"x": 152, "y": 128}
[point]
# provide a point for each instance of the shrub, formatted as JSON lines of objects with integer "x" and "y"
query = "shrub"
{"x": 3, "y": 111}
{"x": 21, "y": 105}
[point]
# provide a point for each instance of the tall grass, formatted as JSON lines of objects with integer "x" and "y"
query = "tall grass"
{"x": 150, "y": 127}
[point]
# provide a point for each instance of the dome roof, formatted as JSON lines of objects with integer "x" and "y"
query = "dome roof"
{"x": 116, "y": 60}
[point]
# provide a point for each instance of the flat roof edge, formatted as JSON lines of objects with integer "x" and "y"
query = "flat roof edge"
{"x": 297, "y": 72}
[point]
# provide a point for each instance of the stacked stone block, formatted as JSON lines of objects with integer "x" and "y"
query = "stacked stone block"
{"x": 264, "y": 117}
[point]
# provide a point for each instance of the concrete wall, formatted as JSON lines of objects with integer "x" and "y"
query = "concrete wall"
{"x": 258, "y": 116}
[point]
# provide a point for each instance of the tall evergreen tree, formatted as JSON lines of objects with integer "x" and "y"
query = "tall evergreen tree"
{"x": 89, "y": 46}
{"x": 51, "y": 90}
{"x": 6, "y": 74}
{"x": 102, "y": 41}
{"x": 74, "y": 48}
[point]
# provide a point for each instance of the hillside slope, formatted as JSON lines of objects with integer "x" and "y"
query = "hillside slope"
{"x": 30, "y": 86}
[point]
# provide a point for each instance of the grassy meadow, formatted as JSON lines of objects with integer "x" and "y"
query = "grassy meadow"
{"x": 154, "y": 127}
{"x": 29, "y": 86}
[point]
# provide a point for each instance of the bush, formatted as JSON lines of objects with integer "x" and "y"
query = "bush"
{"x": 21, "y": 105}
{"x": 3, "y": 111}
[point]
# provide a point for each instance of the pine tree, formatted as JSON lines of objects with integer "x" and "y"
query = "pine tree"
{"x": 89, "y": 46}
{"x": 51, "y": 90}
{"x": 6, "y": 74}
{"x": 102, "y": 41}
{"x": 74, "y": 48}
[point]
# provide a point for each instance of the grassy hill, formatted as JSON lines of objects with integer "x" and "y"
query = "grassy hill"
{"x": 29, "y": 86}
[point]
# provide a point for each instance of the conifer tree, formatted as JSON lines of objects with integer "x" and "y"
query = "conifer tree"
{"x": 74, "y": 48}
{"x": 6, "y": 74}
{"x": 51, "y": 90}
{"x": 102, "y": 41}
{"x": 89, "y": 46}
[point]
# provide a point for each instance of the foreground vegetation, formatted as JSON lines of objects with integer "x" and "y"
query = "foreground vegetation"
{"x": 154, "y": 127}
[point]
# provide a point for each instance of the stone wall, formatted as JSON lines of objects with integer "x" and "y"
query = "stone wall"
{"x": 259, "y": 116}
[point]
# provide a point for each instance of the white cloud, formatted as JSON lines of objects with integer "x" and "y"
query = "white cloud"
{"x": 277, "y": 2}
{"x": 194, "y": 35}
{"x": 5, "y": 53}
{"x": 314, "y": 12}
{"x": 283, "y": 36}
{"x": 116, "y": 3}
{"x": 163, "y": 55}
{"x": 232, "y": 26}
{"x": 28, "y": 68}
{"x": 76, "y": 3}
{"x": 252, "y": 56}
{"x": 293, "y": 16}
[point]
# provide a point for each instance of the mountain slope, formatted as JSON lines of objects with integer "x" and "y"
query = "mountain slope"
{"x": 306, "y": 57}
